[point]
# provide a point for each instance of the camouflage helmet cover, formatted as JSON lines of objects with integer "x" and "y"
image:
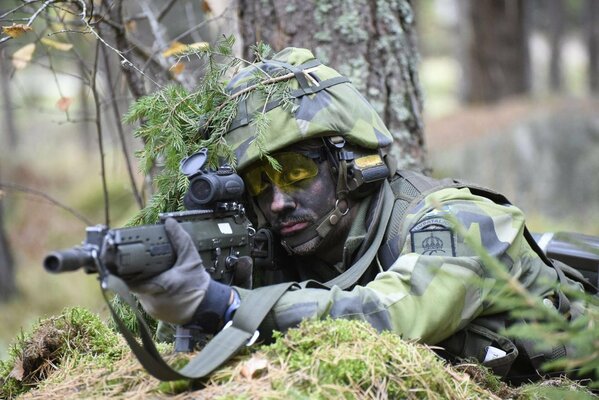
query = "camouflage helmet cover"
{"x": 326, "y": 104}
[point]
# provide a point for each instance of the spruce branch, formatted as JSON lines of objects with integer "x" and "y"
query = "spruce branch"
{"x": 177, "y": 122}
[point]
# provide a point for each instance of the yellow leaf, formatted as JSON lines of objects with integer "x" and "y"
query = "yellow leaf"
{"x": 57, "y": 45}
{"x": 177, "y": 68}
{"x": 178, "y": 48}
{"x": 64, "y": 103}
{"x": 175, "y": 48}
{"x": 21, "y": 57}
{"x": 16, "y": 30}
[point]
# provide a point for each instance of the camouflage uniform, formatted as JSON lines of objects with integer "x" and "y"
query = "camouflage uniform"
{"x": 428, "y": 292}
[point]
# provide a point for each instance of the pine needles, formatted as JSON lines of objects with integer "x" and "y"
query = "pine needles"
{"x": 175, "y": 123}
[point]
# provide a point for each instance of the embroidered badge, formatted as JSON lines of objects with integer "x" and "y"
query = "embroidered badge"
{"x": 433, "y": 237}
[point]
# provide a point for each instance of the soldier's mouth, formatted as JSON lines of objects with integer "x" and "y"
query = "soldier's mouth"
{"x": 292, "y": 227}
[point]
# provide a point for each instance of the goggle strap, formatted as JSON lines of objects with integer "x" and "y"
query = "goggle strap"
{"x": 342, "y": 188}
{"x": 337, "y": 213}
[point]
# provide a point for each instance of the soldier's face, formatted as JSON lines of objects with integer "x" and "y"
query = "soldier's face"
{"x": 292, "y": 208}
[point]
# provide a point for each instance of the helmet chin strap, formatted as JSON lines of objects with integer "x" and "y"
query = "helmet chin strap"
{"x": 323, "y": 227}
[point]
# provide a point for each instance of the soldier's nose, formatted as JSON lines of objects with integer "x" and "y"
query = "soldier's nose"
{"x": 280, "y": 200}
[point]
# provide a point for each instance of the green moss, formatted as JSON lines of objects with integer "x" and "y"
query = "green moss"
{"x": 342, "y": 358}
{"x": 331, "y": 359}
{"x": 74, "y": 336}
{"x": 349, "y": 25}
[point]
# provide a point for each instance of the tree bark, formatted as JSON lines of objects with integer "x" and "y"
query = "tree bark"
{"x": 592, "y": 36}
{"x": 372, "y": 42}
{"x": 495, "y": 58}
{"x": 7, "y": 106}
{"x": 7, "y": 278}
{"x": 7, "y": 275}
{"x": 556, "y": 32}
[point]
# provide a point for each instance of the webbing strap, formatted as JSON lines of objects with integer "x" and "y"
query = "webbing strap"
{"x": 222, "y": 347}
{"x": 244, "y": 118}
{"x": 351, "y": 276}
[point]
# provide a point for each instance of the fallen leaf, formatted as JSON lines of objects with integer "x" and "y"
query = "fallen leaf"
{"x": 16, "y": 30}
{"x": 254, "y": 368}
{"x": 177, "y": 68}
{"x": 64, "y": 103}
{"x": 57, "y": 45}
{"x": 18, "y": 372}
{"x": 21, "y": 57}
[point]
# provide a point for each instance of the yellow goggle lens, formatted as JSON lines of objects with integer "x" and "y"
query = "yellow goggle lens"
{"x": 295, "y": 167}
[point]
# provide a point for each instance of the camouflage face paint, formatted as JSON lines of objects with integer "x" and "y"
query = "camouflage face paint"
{"x": 291, "y": 211}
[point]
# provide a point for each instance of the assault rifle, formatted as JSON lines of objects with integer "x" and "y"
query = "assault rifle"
{"x": 215, "y": 220}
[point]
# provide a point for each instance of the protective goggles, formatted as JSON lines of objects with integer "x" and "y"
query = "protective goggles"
{"x": 295, "y": 167}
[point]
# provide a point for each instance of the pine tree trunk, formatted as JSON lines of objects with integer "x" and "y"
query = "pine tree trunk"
{"x": 556, "y": 32}
{"x": 9, "y": 127}
{"x": 592, "y": 34}
{"x": 372, "y": 42}
{"x": 7, "y": 279}
{"x": 7, "y": 276}
{"x": 495, "y": 57}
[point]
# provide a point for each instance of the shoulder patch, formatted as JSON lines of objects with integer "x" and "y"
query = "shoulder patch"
{"x": 433, "y": 237}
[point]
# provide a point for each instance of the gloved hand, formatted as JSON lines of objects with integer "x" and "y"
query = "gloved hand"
{"x": 185, "y": 293}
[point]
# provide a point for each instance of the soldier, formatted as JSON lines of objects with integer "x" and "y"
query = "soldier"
{"x": 373, "y": 243}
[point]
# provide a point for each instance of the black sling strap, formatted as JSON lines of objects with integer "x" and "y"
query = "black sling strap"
{"x": 221, "y": 348}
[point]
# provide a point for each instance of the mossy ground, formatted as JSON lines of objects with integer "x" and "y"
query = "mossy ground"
{"x": 76, "y": 355}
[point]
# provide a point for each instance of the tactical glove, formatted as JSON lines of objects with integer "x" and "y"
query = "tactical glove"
{"x": 185, "y": 293}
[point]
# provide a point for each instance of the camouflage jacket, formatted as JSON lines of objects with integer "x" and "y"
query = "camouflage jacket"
{"x": 429, "y": 291}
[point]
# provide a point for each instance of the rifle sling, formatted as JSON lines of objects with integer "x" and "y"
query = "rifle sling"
{"x": 222, "y": 346}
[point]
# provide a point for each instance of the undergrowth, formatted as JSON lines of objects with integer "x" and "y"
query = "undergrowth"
{"x": 76, "y": 355}
{"x": 73, "y": 337}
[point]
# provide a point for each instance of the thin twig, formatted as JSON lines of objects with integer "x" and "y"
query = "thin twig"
{"x": 204, "y": 22}
{"x": 125, "y": 60}
{"x": 52, "y": 200}
{"x": 121, "y": 133}
{"x": 17, "y": 8}
{"x": 94, "y": 88}
{"x": 161, "y": 43}
{"x": 165, "y": 10}
{"x": 32, "y": 18}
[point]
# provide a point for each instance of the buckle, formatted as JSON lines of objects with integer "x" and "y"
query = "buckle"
{"x": 251, "y": 341}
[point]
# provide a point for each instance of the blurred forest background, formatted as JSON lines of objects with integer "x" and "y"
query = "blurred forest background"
{"x": 500, "y": 92}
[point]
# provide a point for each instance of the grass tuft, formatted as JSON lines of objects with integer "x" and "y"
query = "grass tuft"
{"x": 72, "y": 337}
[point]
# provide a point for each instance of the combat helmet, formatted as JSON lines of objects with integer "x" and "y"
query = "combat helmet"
{"x": 325, "y": 105}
